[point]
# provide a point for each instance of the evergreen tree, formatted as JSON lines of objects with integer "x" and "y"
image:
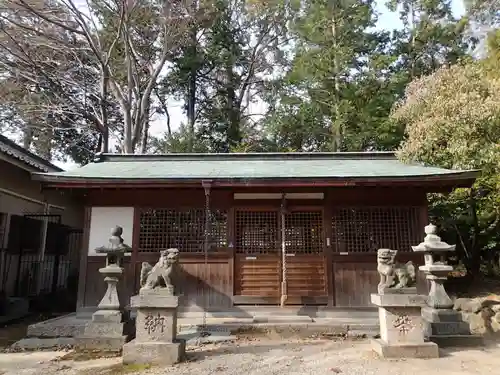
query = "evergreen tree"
{"x": 324, "y": 98}
{"x": 223, "y": 71}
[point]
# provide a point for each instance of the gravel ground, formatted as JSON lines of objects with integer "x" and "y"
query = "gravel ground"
{"x": 271, "y": 357}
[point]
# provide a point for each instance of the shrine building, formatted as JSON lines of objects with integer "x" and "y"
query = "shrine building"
{"x": 252, "y": 228}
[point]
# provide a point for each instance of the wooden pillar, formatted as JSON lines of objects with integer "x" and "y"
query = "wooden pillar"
{"x": 207, "y": 188}
{"x": 328, "y": 248}
{"x": 231, "y": 238}
{"x": 136, "y": 231}
{"x": 424, "y": 213}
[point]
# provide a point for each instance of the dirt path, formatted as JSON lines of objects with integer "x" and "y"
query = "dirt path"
{"x": 271, "y": 357}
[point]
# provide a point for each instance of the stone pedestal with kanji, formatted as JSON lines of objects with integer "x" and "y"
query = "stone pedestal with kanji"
{"x": 156, "y": 330}
{"x": 401, "y": 326}
{"x": 156, "y": 340}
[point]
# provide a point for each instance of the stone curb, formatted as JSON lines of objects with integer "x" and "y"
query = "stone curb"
{"x": 290, "y": 328}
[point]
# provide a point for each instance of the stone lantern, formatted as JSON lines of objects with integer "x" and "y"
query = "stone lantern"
{"x": 442, "y": 324}
{"x": 436, "y": 268}
{"x": 114, "y": 251}
{"x": 106, "y": 331}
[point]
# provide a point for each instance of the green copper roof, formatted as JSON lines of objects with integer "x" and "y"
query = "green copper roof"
{"x": 250, "y": 166}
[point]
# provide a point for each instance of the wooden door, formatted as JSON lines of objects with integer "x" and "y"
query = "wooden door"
{"x": 259, "y": 266}
{"x": 305, "y": 260}
{"x": 257, "y": 256}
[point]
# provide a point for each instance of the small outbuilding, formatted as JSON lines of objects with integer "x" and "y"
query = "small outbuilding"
{"x": 40, "y": 231}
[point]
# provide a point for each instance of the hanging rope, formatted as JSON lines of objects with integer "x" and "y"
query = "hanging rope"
{"x": 206, "y": 243}
{"x": 284, "y": 282}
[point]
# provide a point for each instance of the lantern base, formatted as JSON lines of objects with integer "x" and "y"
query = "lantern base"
{"x": 107, "y": 332}
{"x": 447, "y": 328}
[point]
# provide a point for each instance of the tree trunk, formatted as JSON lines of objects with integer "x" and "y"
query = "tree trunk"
{"x": 128, "y": 147}
{"x": 99, "y": 147}
{"x": 337, "y": 123}
{"x": 104, "y": 112}
{"x": 166, "y": 112}
{"x": 27, "y": 137}
{"x": 413, "y": 55}
{"x": 191, "y": 94}
{"x": 145, "y": 131}
{"x": 233, "y": 112}
{"x": 128, "y": 107}
{"x": 44, "y": 143}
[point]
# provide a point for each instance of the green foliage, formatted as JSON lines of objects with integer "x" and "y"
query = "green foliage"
{"x": 484, "y": 12}
{"x": 221, "y": 71}
{"x": 327, "y": 79}
{"x": 452, "y": 120}
{"x": 320, "y": 96}
{"x": 431, "y": 37}
{"x": 345, "y": 77}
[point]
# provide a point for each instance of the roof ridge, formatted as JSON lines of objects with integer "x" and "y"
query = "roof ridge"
{"x": 251, "y": 156}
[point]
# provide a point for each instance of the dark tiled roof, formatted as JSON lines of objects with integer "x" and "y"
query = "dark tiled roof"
{"x": 371, "y": 165}
{"x": 15, "y": 151}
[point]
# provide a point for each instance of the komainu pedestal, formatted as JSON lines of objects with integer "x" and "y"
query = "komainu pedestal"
{"x": 156, "y": 340}
{"x": 399, "y": 308}
{"x": 401, "y": 326}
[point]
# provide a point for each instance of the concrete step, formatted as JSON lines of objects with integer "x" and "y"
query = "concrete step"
{"x": 62, "y": 326}
{"x": 210, "y": 320}
{"x": 36, "y": 343}
{"x": 267, "y": 312}
{"x": 220, "y": 314}
{"x": 348, "y": 321}
{"x": 301, "y": 329}
{"x": 210, "y": 334}
{"x": 222, "y": 329}
{"x": 282, "y": 319}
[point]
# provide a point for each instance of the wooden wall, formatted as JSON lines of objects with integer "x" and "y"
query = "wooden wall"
{"x": 356, "y": 277}
{"x": 348, "y": 279}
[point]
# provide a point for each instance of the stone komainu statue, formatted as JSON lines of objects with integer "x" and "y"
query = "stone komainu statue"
{"x": 392, "y": 274}
{"x": 160, "y": 275}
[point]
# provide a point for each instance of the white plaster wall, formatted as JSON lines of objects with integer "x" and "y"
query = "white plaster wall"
{"x": 103, "y": 219}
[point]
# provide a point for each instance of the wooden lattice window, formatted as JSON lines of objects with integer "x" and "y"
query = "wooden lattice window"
{"x": 182, "y": 229}
{"x": 257, "y": 232}
{"x": 304, "y": 232}
{"x": 218, "y": 235}
{"x": 368, "y": 229}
